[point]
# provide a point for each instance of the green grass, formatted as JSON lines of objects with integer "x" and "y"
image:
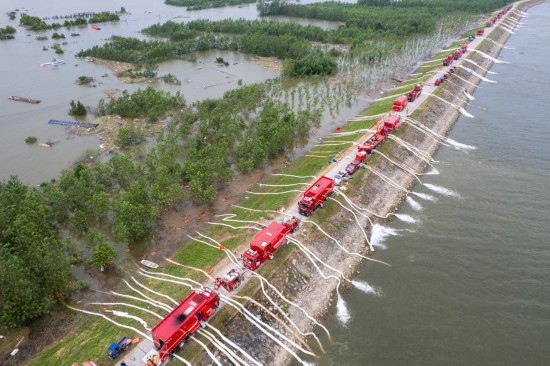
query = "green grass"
{"x": 92, "y": 336}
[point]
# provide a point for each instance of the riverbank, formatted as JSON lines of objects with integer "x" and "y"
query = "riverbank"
{"x": 438, "y": 116}
{"x": 309, "y": 288}
{"x": 321, "y": 214}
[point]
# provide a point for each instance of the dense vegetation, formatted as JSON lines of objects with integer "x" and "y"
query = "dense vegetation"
{"x": 201, "y": 148}
{"x": 34, "y": 260}
{"x": 38, "y": 24}
{"x": 206, "y": 4}
{"x": 7, "y": 32}
{"x": 77, "y": 109}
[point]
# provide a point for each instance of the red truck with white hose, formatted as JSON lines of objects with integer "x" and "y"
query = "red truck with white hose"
{"x": 175, "y": 329}
{"x": 267, "y": 241}
{"x": 315, "y": 195}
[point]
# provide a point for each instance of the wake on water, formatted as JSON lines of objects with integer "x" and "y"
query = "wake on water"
{"x": 414, "y": 205}
{"x": 442, "y": 190}
{"x": 379, "y": 234}
{"x": 425, "y": 196}
{"x": 365, "y": 287}
{"x": 406, "y": 218}
{"x": 432, "y": 171}
{"x": 342, "y": 312}
{"x": 459, "y": 145}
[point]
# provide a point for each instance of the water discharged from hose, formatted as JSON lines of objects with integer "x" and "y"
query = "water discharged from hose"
{"x": 425, "y": 196}
{"x": 432, "y": 171}
{"x": 490, "y": 57}
{"x": 379, "y": 233}
{"x": 406, "y": 218}
{"x": 442, "y": 190}
{"x": 414, "y": 204}
{"x": 460, "y": 109}
{"x": 477, "y": 75}
{"x": 365, "y": 287}
{"x": 469, "y": 96}
{"x": 481, "y": 67}
{"x": 459, "y": 145}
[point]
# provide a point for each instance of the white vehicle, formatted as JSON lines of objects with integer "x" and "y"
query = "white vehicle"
{"x": 340, "y": 177}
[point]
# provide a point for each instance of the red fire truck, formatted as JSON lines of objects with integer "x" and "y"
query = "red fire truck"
{"x": 315, "y": 196}
{"x": 171, "y": 333}
{"x": 267, "y": 241}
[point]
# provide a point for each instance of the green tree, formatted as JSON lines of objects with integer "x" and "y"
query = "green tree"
{"x": 77, "y": 109}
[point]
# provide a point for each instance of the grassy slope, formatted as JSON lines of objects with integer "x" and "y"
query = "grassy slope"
{"x": 92, "y": 336}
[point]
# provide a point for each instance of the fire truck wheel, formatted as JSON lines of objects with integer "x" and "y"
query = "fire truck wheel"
{"x": 321, "y": 205}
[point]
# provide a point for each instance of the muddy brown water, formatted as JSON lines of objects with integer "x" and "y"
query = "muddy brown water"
{"x": 21, "y": 75}
{"x": 469, "y": 280}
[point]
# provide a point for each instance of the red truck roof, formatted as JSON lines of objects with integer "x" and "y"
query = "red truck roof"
{"x": 183, "y": 317}
{"x": 270, "y": 235}
{"x": 392, "y": 121}
{"x": 318, "y": 188}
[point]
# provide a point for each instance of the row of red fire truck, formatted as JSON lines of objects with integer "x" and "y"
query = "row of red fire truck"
{"x": 178, "y": 326}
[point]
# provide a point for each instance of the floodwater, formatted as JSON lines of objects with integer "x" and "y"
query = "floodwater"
{"x": 470, "y": 283}
{"x": 21, "y": 75}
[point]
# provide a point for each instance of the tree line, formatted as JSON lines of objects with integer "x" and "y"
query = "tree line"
{"x": 206, "y": 4}
{"x": 200, "y": 150}
{"x": 38, "y": 24}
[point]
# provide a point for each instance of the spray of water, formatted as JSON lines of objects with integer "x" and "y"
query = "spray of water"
{"x": 425, "y": 196}
{"x": 459, "y": 145}
{"x": 460, "y": 109}
{"x": 406, "y": 218}
{"x": 379, "y": 233}
{"x": 432, "y": 171}
{"x": 414, "y": 204}
{"x": 365, "y": 287}
{"x": 476, "y": 74}
{"x": 469, "y": 96}
{"x": 478, "y": 65}
{"x": 442, "y": 190}
{"x": 490, "y": 57}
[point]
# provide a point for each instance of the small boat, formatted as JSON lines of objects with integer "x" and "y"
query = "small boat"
{"x": 95, "y": 27}
{"x": 53, "y": 62}
{"x": 23, "y": 99}
{"x": 149, "y": 264}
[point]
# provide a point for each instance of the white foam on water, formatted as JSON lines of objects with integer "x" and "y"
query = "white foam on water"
{"x": 442, "y": 190}
{"x": 342, "y": 312}
{"x": 379, "y": 234}
{"x": 425, "y": 196}
{"x": 365, "y": 287}
{"x": 432, "y": 171}
{"x": 491, "y": 57}
{"x": 414, "y": 205}
{"x": 406, "y": 218}
{"x": 460, "y": 145}
{"x": 465, "y": 113}
{"x": 469, "y": 96}
{"x": 478, "y": 75}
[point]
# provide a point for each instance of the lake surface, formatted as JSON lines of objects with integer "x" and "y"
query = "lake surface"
{"x": 21, "y": 75}
{"x": 470, "y": 282}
